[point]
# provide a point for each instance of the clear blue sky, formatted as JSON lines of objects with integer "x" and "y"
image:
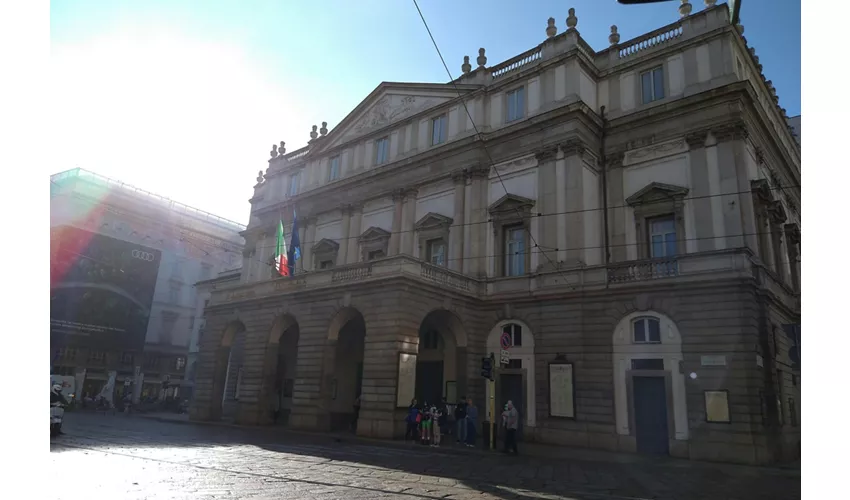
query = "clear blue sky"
{"x": 305, "y": 62}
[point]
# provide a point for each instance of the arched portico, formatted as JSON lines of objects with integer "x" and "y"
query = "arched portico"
{"x": 343, "y": 368}
{"x": 281, "y": 358}
{"x": 227, "y": 369}
{"x": 516, "y": 381}
{"x": 442, "y": 359}
{"x": 650, "y": 399}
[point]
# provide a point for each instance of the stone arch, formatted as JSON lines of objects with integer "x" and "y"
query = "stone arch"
{"x": 668, "y": 348}
{"x": 230, "y": 330}
{"x": 226, "y": 375}
{"x": 441, "y": 364}
{"x": 343, "y": 367}
{"x": 523, "y": 355}
{"x": 280, "y": 368}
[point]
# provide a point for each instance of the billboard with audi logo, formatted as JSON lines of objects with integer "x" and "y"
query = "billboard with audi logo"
{"x": 101, "y": 290}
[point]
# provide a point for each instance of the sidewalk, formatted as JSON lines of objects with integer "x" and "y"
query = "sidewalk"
{"x": 530, "y": 450}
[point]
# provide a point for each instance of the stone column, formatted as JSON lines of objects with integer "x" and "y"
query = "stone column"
{"x": 395, "y": 238}
{"x": 353, "y": 254}
{"x": 573, "y": 153}
{"x": 456, "y": 231}
{"x": 560, "y": 202}
{"x": 478, "y": 218}
{"x": 408, "y": 220}
{"x": 342, "y": 258}
{"x": 307, "y": 246}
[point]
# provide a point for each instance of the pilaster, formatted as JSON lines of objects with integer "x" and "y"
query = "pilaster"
{"x": 456, "y": 240}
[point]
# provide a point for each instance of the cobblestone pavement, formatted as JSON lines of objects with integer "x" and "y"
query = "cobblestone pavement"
{"x": 135, "y": 458}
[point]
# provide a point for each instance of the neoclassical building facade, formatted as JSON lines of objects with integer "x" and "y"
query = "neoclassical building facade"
{"x": 625, "y": 221}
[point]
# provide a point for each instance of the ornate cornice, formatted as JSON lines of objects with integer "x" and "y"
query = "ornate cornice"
{"x": 574, "y": 147}
{"x": 546, "y": 154}
{"x": 730, "y": 131}
{"x": 761, "y": 189}
{"x": 696, "y": 140}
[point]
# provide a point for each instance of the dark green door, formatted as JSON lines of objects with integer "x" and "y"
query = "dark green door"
{"x": 650, "y": 404}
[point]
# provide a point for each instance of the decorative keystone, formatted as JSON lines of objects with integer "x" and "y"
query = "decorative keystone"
{"x": 482, "y": 59}
{"x": 273, "y": 152}
{"x": 466, "y": 67}
{"x": 551, "y": 29}
{"x": 572, "y": 20}
{"x": 313, "y": 133}
{"x": 614, "y": 37}
{"x": 324, "y": 129}
{"x": 685, "y": 9}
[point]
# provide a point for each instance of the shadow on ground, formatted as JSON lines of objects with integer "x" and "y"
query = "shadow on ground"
{"x": 315, "y": 459}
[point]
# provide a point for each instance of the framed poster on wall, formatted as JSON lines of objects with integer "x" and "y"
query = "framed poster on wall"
{"x": 562, "y": 396}
{"x": 717, "y": 406}
{"x": 406, "y": 384}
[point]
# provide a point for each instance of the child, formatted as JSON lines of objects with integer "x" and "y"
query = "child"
{"x": 425, "y": 433}
{"x": 436, "y": 423}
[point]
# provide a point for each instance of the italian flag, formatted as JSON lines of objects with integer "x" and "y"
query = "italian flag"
{"x": 281, "y": 263}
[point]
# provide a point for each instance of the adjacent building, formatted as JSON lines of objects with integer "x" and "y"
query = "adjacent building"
{"x": 123, "y": 267}
{"x": 619, "y": 228}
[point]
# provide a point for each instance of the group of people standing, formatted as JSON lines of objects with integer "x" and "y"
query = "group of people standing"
{"x": 428, "y": 423}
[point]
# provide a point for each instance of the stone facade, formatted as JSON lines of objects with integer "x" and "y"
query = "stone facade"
{"x": 421, "y": 237}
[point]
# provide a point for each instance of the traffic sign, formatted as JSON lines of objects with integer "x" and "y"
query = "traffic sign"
{"x": 505, "y": 340}
{"x": 505, "y": 357}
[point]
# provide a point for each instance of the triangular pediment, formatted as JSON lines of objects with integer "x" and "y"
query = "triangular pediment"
{"x": 325, "y": 245}
{"x": 656, "y": 191}
{"x": 374, "y": 233}
{"x": 389, "y": 103}
{"x": 510, "y": 202}
{"x": 432, "y": 220}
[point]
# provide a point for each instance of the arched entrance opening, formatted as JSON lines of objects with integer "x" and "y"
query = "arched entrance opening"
{"x": 441, "y": 361}
{"x": 348, "y": 332}
{"x": 650, "y": 401}
{"x": 282, "y": 356}
{"x": 228, "y": 370}
{"x": 515, "y": 381}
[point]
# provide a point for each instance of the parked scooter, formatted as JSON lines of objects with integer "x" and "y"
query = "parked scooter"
{"x": 57, "y": 410}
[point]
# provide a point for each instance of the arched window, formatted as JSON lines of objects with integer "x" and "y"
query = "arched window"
{"x": 646, "y": 330}
{"x": 430, "y": 340}
{"x": 515, "y": 332}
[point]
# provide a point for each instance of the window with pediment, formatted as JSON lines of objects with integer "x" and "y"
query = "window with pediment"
{"x": 432, "y": 231}
{"x": 511, "y": 216}
{"x": 659, "y": 220}
{"x": 373, "y": 243}
{"x": 325, "y": 253}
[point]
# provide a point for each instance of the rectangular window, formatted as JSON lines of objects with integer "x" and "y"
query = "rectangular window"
{"x": 438, "y": 130}
{"x": 97, "y": 356}
{"x": 376, "y": 254}
{"x": 326, "y": 264}
{"x": 652, "y": 85}
{"x": 126, "y": 358}
{"x": 382, "y": 150}
{"x": 294, "y": 181}
{"x": 662, "y": 237}
{"x": 516, "y": 104}
{"x": 514, "y": 251}
{"x": 333, "y": 172}
{"x": 437, "y": 252}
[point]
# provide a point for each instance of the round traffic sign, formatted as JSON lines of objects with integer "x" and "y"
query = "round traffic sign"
{"x": 505, "y": 340}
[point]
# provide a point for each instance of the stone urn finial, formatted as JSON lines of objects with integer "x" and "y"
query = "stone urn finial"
{"x": 273, "y": 152}
{"x": 313, "y": 133}
{"x": 282, "y": 148}
{"x": 551, "y": 29}
{"x": 685, "y": 9}
{"x": 324, "y": 129}
{"x": 482, "y": 59}
{"x": 466, "y": 67}
{"x": 572, "y": 20}
{"x": 614, "y": 37}
{"x": 710, "y": 3}
{"x": 260, "y": 177}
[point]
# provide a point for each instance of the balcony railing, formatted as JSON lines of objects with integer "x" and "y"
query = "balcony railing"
{"x": 732, "y": 264}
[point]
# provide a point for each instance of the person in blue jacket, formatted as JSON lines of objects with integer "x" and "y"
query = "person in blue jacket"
{"x": 472, "y": 422}
{"x": 412, "y": 420}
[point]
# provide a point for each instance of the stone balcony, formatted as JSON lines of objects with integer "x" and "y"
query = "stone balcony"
{"x": 727, "y": 264}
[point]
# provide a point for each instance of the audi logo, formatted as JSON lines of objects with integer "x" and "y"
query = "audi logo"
{"x": 138, "y": 254}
